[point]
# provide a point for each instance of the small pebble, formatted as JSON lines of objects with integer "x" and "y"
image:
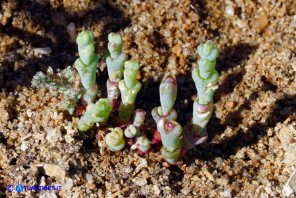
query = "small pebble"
{"x": 261, "y": 23}
{"x": 42, "y": 50}
{"x": 91, "y": 186}
{"x": 89, "y": 178}
{"x": 156, "y": 190}
{"x": 293, "y": 23}
{"x": 54, "y": 170}
{"x": 292, "y": 181}
{"x": 68, "y": 183}
{"x": 231, "y": 104}
{"x": 140, "y": 181}
{"x": 229, "y": 10}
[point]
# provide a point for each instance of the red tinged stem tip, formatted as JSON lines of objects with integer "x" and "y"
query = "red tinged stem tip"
{"x": 80, "y": 110}
{"x": 114, "y": 104}
{"x": 141, "y": 153}
{"x": 156, "y": 137}
{"x": 169, "y": 126}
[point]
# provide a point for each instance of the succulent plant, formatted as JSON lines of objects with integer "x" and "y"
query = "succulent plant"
{"x": 113, "y": 93}
{"x": 86, "y": 64}
{"x": 171, "y": 133}
{"x": 142, "y": 145}
{"x": 123, "y": 81}
{"x": 115, "y": 64}
{"x": 131, "y": 131}
{"x": 139, "y": 117}
{"x": 95, "y": 113}
{"x": 205, "y": 78}
{"x": 168, "y": 95}
{"x": 129, "y": 88}
{"x": 171, "y": 156}
{"x": 115, "y": 140}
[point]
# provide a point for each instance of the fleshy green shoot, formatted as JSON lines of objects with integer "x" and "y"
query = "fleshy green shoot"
{"x": 86, "y": 64}
{"x": 168, "y": 95}
{"x": 115, "y": 140}
{"x": 129, "y": 88}
{"x": 205, "y": 78}
{"x": 95, "y": 113}
{"x": 115, "y": 64}
{"x": 142, "y": 145}
{"x": 170, "y": 132}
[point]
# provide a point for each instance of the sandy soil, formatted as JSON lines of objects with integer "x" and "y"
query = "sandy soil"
{"x": 252, "y": 134}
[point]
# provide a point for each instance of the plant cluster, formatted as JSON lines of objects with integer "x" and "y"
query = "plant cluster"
{"x": 123, "y": 82}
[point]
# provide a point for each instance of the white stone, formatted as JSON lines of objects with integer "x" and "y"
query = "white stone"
{"x": 287, "y": 190}
{"x": 24, "y": 146}
{"x": 140, "y": 181}
{"x": 143, "y": 164}
{"x": 227, "y": 193}
{"x": 89, "y": 178}
{"x": 293, "y": 23}
{"x": 229, "y": 10}
{"x": 42, "y": 50}
{"x": 156, "y": 190}
{"x": 69, "y": 183}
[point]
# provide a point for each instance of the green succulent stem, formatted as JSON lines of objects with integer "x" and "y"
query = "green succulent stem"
{"x": 86, "y": 64}
{"x": 157, "y": 114}
{"x": 129, "y": 88}
{"x": 139, "y": 117}
{"x": 95, "y": 113}
{"x": 115, "y": 44}
{"x": 131, "y": 131}
{"x": 171, "y": 156}
{"x": 171, "y": 133}
{"x": 205, "y": 78}
{"x": 126, "y": 111}
{"x": 115, "y": 64}
{"x": 142, "y": 144}
{"x": 114, "y": 139}
{"x": 168, "y": 95}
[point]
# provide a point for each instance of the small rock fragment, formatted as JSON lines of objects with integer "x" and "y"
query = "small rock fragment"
{"x": 229, "y": 10}
{"x": 89, "y": 178}
{"x": 140, "y": 181}
{"x": 91, "y": 186}
{"x": 156, "y": 190}
{"x": 287, "y": 190}
{"x": 143, "y": 164}
{"x": 54, "y": 170}
{"x": 42, "y": 50}
{"x": 292, "y": 181}
{"x": 231, "y": 104}
{"x": 260, "y": 23}
{"x": 68, "y": 183}
{"x": 293, "y": 23}
{"x": 24, "y": 146}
